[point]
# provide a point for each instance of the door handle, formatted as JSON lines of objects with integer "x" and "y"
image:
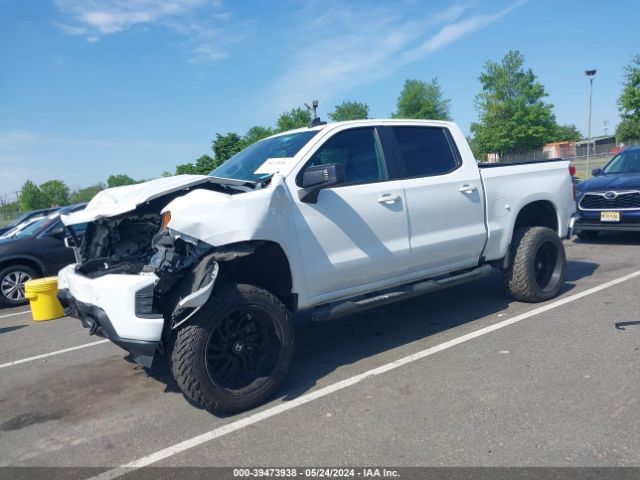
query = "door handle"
{"x": 388, "y": 199}
{"x": 467, "y": 189}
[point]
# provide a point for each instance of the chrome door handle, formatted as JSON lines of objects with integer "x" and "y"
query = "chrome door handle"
{"x": 388, "y": 199}
{"x": 467, "y": 189}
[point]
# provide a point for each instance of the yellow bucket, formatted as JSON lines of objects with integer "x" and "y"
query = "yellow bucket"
{"x": 43, "y": 297}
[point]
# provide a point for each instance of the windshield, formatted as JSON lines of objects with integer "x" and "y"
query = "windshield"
{"x": 32, "y": 228}
{"x": 21, "y": 226}
{"x": 243, "y": 164}
{"x": 19, "y": 220}
{"x": 627, "y": 161}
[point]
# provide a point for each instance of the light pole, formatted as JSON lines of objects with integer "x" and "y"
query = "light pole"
{"x": 590, "y": 74}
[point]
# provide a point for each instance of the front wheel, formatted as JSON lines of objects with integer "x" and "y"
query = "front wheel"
{"x": 537, "y": 265}
{"x": 235, "y": 352}
{"x": 12, "y": 280}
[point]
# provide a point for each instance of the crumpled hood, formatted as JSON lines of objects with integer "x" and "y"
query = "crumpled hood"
{"x": 118, "y": 200}
{"x": 618, "y": 181}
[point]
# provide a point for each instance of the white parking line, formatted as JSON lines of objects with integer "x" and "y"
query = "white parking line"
{"x": 322, "y": 392}
{"x": 14, "y": 314}
{"x": 51, "y": 354}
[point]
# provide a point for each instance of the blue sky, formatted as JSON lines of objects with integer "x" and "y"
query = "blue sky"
{"x": 89, "y": 88}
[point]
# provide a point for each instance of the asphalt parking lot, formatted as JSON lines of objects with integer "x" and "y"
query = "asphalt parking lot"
{"x": 479, "y": 380}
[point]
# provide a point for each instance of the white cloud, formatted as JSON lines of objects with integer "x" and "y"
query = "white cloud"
{"x": 454, "y": 31}
{"x": 348, "y": 47}
{"x": 197, "y": 20}
{"x": 71, "y": 29}
{"x": 117, "y": 15}
{"x": 11, "y": 139}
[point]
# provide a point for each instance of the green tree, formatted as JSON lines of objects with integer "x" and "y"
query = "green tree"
{"x": 86, "y": 194}
{"x": 294, "y": 118}
{"x": 56, "y": 192}
{"x": 255, "y": 134}
{"x": 9, "y": 204}
{"x": 474, "y": 148}
{"x": 629, "y": 103}
{"x": 424, "y": 100}
{"x": 628, "y": 130}
{"x": 120, "y": 180}
{"x": 513, "y": 116}
{"x": 203, "y": 166}
{"x": 186, "y": 169}
{"x": 225, "y": 146}
{"x": 349, "y": 110}
{"x": 31, "y": 197}
{"x": 565, "y": 133}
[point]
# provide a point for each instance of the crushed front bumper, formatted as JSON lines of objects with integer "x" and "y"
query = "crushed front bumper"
{"x": 110, "y": 307}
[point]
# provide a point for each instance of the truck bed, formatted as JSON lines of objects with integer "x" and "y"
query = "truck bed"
{"x": 508, "y": 187}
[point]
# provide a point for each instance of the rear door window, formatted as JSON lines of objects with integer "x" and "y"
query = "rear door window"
{"x": 425, "y": 151}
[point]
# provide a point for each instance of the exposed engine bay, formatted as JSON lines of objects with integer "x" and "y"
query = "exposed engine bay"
{"x": 121, "y": 245}
{"x": 138, "y": 243}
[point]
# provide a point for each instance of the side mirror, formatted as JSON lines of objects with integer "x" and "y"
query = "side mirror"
{"x": 317, "y": 177}
{"x": 596, "y": 171}
{"x": 57, "y": 234}
{"x": 69, "y": 242}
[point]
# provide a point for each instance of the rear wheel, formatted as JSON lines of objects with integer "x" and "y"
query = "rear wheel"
{"x": 537, "y": 265}
{"x": 12, "y": 279}
{"x": 235, "y": 352}
{"x": 587, "y": 234}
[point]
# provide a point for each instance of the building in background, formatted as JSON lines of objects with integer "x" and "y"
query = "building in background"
{"x": 599, "y": 145}
{"x": 559, "y": 149}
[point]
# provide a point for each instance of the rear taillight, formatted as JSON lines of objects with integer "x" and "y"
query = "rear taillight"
{"x": 572, "y": 173}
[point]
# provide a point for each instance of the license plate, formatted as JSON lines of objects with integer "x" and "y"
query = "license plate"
{"x": 609, "y": 216}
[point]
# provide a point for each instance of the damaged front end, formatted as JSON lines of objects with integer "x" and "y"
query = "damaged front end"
{"x": 136, "y": 279}
{"x": 184, "y": 269}
{"x": 187, "y": 270}
{"x": 169, "y": 276}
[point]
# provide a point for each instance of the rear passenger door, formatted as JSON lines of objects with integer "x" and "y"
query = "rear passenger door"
{"x": 444, "y": 200}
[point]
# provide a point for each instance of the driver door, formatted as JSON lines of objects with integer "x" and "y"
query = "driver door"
{"x": 356, "y": 233}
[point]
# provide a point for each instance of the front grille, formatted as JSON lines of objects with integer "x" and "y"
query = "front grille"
{"x": 599, "y": 202}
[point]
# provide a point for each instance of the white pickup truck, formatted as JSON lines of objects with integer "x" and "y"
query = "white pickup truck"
{"x": 332, "y": 219}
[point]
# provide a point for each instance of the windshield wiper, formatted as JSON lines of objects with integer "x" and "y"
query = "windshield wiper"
{"x": 242, "y": 183}
{"x": 233, "y": 182}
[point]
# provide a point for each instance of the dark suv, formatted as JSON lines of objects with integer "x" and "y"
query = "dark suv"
{"x": 610, "y": 200}
{"x": 36, "y": 251}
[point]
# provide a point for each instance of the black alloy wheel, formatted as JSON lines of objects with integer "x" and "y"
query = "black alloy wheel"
{"x": 242, "y": 348}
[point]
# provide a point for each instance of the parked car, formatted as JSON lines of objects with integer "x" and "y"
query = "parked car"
{"x": 35, "y": 251}
{"x": 610, "y": 200}
{"x": 25, "y": 217}
{"x": 333, "y": 219}
{"x": 18, "y": 228}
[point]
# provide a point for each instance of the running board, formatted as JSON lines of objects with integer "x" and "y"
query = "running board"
{"x": 348, "y": 307}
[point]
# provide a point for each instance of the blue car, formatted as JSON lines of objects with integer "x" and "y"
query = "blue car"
{"x": 610, "y": 200}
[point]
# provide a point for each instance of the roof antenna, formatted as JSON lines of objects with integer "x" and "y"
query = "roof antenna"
{"x": 314, "y": 110}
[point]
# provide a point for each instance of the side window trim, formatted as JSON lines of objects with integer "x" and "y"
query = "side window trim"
{"x": 379, "y": 143}
{"x": 452, "y": 147}
{"x": 392, "y": 155}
